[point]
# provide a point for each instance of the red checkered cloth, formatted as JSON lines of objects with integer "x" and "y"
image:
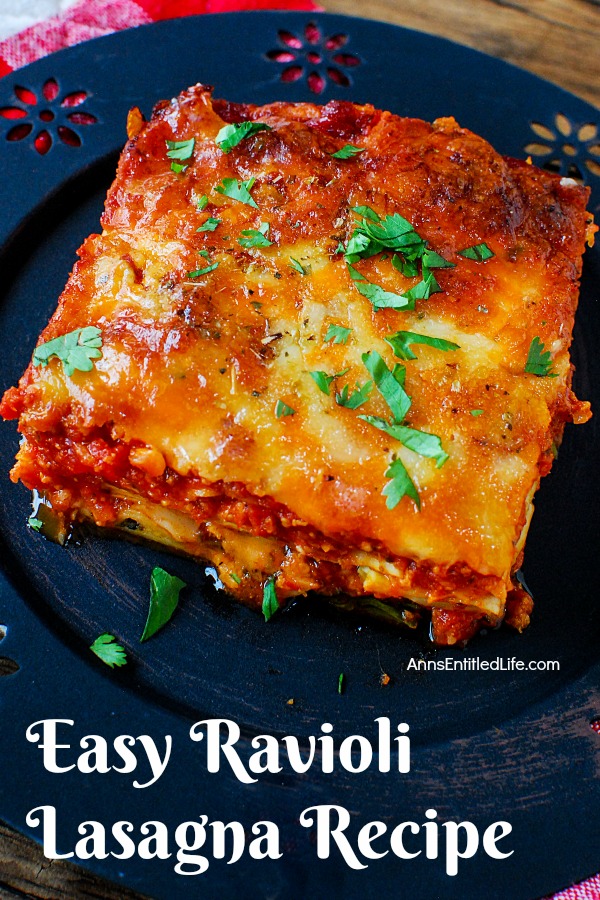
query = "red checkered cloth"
{"x": 93, "y": 18}
{"x": 585, "y": 890}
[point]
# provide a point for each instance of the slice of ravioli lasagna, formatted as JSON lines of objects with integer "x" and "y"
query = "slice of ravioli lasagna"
{"x": 323, "y": 348}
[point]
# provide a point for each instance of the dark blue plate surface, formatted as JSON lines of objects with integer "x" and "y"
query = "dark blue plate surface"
{"x": 487, "y": 745}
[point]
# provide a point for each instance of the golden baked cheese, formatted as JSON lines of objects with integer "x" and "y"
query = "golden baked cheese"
{"x": 321, "y": 347}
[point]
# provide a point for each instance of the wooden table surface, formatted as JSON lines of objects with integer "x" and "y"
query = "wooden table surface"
{"x": 558, "y": 40}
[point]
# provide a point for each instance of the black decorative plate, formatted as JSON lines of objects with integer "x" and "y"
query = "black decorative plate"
{"x": 486, "y": 745}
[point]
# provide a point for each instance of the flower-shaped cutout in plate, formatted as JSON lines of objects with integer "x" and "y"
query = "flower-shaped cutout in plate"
{"x": 314, "y": 56}
{"x": 567, "y": 147}
{"x": 54, "y": 113}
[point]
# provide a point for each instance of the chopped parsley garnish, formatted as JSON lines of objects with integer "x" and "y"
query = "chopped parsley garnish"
{"x": 539, "y": 361}
{"x": 34, "y": 523}
{"x": 356, "y": 398}
{"x": 164, "y": 597}
{"x": 237, "y": 190}
{"x": 390, "y": 383}
{"x": 294, "y": 264}
{"x": 476, "y": 412}
{"x": 347, "y": 152}
{"x": 401, "y": 485}
{"x": 341, "y": 683}
{"x": 205, "y": 271}
{"x": 478, "y": 252}
{"x": 282, "y": 409}
{"x": 408, "y": 269}
{"x": 420, "y": 442}
{"x": 256, "y": 237}
{"x": 338, "y": 334}
{"x": 380, "y": 298}
{"x": 433, "y": 260}
{"x": 270, "y": 604}
{"x": 366, "y": 212}
{"x": 323, "y": 380}
{"x": 231, "y": 135}
{"x": 374, "y": 234}
{"x": 179, "y": 150}
{"x": 76, "y": 350}
{"x": 202, "y": 202}
{"x": 106, "y": 649}
{"x": 235, "y": 577}
{"x": 400, "y": 343}
{"x": 210, "y": 225}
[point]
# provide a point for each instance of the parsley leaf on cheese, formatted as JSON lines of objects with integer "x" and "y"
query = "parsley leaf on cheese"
{"x": 210, "y": 225}
{"x": 238, "y": 190}
{"x": 390, "y": 384}
{"x": 164, "y": 597}
{"x": 231, "y": 135}
{"x": 408, "y": 268}
{"x": 106, "y": 648}
{"x": 380, "y": 298}
{"x": 323, "y": 380}
{"x": 356, "y": 398}
{"x": 179, "y": 150}
{"x": 478, "y": 252}
{"x": 539, "y": 361}
{"x": 256, "y": 237}
{"x": 433, "y": 260}
{"x": 401, "y": 485}
{"x": 338, "y": 334}
{"x": 270, "y": 604}
{"x": 347, "y": 152}
{"x": 366, "y": 212}
{"x": 400, "y": 343}
{"x": 420, "y": 442}
{"x": 282, "y": 409}
{"x": 205, "y": 271}
{"x": 294, "y": 264}
{"x": 76, "y": 350}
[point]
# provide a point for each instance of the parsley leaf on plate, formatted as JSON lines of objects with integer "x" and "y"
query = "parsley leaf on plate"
{"x": 76, "y": 350}
{"x": 164, "y": 597}
{"x": 106, "y": 648}
{"x": 270, "y": 604}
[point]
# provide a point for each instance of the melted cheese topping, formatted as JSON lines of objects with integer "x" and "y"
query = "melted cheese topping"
{"x": 192, "y": 368}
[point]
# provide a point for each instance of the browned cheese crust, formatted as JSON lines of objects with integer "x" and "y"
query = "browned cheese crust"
{"x": 175, "y": 428}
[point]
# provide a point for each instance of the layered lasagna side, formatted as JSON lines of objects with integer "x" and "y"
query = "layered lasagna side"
{"x": 324, "y": 349}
